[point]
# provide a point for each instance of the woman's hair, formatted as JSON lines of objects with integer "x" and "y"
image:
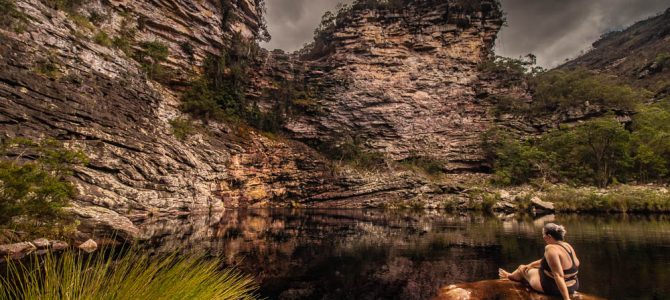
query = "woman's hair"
{"x": 554, "y": 230}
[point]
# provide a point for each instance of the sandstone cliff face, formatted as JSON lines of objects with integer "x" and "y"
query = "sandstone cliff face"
{"x": 404, "y": 81}
{"x": 55, "y": 81}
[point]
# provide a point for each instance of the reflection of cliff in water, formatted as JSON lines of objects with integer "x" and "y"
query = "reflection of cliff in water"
{"x": 359, "y": 254}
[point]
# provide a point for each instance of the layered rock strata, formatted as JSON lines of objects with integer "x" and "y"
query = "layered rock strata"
{"x": 403, "y": 82}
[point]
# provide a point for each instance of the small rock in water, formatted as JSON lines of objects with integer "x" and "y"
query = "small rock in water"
{"x": 41, "y": 243}
{"x": 89, "y": 246}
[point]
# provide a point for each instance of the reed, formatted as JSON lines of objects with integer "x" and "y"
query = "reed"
{"x": 129, "y": 276}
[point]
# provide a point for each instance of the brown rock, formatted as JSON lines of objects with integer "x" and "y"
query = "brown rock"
{"x": 41, "y": 243}
{"x": 497, "y": 289}
{"x": 89, "y": 246}
{"x": 17, "y": 250}
{"x": 542, "y": 205}
{"x": 58, "y": 245}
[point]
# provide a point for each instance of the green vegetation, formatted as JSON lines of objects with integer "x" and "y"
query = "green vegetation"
{"x": 598, "y": 152}
{"x": 10, "y": 16}
{"x": 132, "y": 276}
{"x": 81, "y": 21}
{"x": 34, "y": 188}
{"x": 219, "y": 94}
{"x": 555, "y": 90}
{"x": 150, "y": 58}
{"x": 102, "y": 38}
{"x": 126, "y": 38}
{"x": 352, "y": 152}
{"x": 424, "y": 164}
{"x": 561, "y": 90}
{"x": 621, "y": 200}
{"x": 48, "y": 67}
{"x": 182, "y": 128}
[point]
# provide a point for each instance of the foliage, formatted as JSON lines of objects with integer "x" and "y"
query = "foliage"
{"x": 598, "y": 152}
{"x": 427, "y": 165}
{"x": 561, "y": 90}
{"x": 10, "y": 16}
{"x": 102, "y": 38}
{"x": 187, "y": 48}
{"x": 152, "y": 55}
{"x": 81, "y": 21}
{"x": 623, "y": 199}
{"x": 132, "y": 276}
{"x": 33, "y": 184}
{"x": 352, "y": 152}
{"x": 48, "y": 67}
{"x": 126, "y": 38}
{"x": 651, "y": 142}
{"x": 182, "y": 128}
{"x": 511, "y": 71}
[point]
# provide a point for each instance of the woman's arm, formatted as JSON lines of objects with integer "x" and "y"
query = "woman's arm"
{"x": 554, "y": 260}
{"x": 535, "y": 264}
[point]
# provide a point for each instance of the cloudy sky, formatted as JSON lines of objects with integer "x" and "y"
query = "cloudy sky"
{"x": 554, "y": 30}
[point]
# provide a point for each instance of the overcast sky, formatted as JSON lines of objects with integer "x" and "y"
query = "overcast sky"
{"x": 551, "y": 29}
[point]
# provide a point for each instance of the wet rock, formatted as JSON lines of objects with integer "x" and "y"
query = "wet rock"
{"x": 41, "y": 243}
{"x": 497, "y": 289}
{"x": 89, "y": 246}
{"x": 58, "y": 245}
{"x": 541, "y": 205}
{"x": 17, "y": 250}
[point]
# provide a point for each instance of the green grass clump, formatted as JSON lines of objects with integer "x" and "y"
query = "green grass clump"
{"x": 81, "y": 21}
{"x": 182, "y": 128}
{"x": 102, "y": 38}
{"x": 133, "y": 276}
{"x": 11, "y": 17}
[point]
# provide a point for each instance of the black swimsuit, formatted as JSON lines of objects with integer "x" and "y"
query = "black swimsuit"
{"x": 549, "y": 284}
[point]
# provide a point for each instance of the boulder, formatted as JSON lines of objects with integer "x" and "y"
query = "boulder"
{"x": 41, "y": 243}
{"x": 89, "y": 246}
{"x": 539, "y": 204}
{"x": 17, "y": 250}
{"x": 58, "y": 245}
{"x": 497, "y": 289}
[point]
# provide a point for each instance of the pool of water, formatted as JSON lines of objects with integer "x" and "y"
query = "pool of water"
{"x": 371, "y": 254}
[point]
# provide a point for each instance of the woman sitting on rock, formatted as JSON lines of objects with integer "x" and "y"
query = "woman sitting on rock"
{"x": 556, "y": 273}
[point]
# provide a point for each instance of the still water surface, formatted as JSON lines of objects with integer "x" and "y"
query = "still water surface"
{"x": 370, "y": 254}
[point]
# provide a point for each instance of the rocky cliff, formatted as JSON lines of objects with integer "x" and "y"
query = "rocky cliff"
{"x": 403, "y": 81}
{"x": 57, "y": 80}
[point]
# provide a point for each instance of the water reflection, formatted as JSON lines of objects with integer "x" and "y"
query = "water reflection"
{"x": 369, "y": 254}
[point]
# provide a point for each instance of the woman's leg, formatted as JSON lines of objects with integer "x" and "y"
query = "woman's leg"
{"x": 533, "y": 278}
{"x": 517, "y": 275}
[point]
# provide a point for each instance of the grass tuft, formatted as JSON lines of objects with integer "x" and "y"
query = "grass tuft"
{"x": 133, "y": 276}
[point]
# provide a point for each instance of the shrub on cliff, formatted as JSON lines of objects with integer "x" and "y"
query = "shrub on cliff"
{"x": 33, "y": 185}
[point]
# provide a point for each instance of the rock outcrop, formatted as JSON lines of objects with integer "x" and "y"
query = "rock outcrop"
{"x": 403, "y": 81}
{"x": 56, "y": 81}
{"x": 496, "y": 289}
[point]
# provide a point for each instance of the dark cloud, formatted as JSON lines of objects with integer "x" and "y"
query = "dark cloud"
{"x": 558, "y": 29}
{"x": 551, "y": 29}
